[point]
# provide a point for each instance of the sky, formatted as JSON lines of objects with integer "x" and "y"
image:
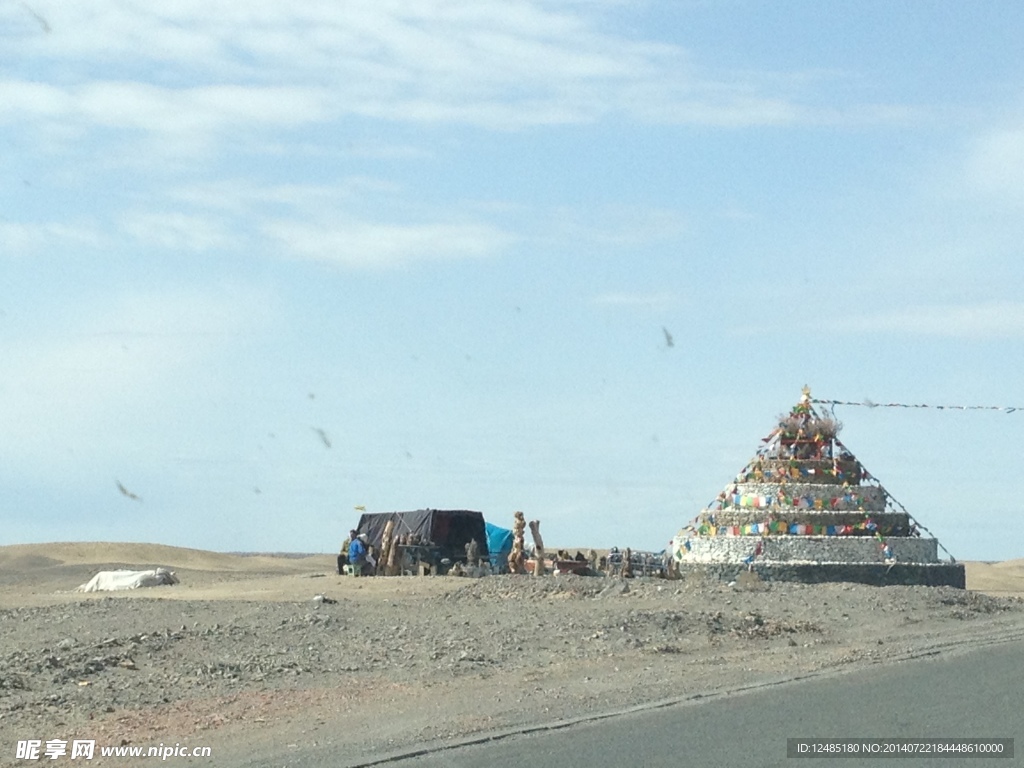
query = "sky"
{"x": 263, "y": 263}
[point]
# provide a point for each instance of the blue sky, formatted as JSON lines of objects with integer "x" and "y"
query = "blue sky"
{"x": 445, "y": 238}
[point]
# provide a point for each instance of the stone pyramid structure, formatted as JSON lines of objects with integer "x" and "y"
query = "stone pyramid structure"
{"x": 805, "y": 509}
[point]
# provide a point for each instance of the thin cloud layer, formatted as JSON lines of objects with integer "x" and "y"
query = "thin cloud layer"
{"x": 497, "y": 65}
{"x": 475, "y": 229}
{"x": 132, "y": 359}
{"x": 996, "y": 164}
{"x": 23, "y": 239}
{"x": 987, "y": 320}
{"x": 652, "y": 301}
{"x": 374, "y": 245}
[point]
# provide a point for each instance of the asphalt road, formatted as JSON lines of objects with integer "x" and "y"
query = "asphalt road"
{"x": 975, "y": 694}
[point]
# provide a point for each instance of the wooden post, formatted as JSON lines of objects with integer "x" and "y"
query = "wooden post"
{"x": 538, "y": 542}
{"x": 472, "y": 554}
{"x": 387, "y": 549}
{"x": 515, "y": 557}
{"x": 627, "y": 568}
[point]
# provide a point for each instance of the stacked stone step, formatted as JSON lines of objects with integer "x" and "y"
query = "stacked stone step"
{"x": 804, "y": 501}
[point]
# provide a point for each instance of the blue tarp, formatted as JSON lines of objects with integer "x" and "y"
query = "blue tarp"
{"x": 499, "y": 544}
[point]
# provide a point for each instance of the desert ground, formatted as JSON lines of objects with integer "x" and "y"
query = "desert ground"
{"x": 259, "y": 657}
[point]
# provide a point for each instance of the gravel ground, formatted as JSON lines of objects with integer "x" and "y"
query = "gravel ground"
{"x": 376, "y": 666}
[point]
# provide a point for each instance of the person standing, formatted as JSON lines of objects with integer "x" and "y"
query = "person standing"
{"x": 357, "y": 554}
{"x": 343, "y": 555}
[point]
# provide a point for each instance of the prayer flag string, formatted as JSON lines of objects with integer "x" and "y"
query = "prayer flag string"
{"x": 846, "y": 498}
{"x": 870, "y": 404}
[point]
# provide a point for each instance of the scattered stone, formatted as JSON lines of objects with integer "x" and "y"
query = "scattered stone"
{"x": 112, "y": 660}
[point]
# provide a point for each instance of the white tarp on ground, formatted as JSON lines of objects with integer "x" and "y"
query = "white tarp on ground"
{"x": 107, "y": 581}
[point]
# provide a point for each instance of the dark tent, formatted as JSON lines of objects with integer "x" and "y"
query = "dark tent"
{"x": 447, "y": 530}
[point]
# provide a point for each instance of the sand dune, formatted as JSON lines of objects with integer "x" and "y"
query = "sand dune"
{"x": 1002, "y": 578}
{"x": 45, "y": 574}
{"x": 1018, "y": 563}
{"x": 34, "y": 556}
{"x": 41, "y": 574}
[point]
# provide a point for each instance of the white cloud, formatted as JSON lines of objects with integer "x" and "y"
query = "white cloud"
{"x": 638, "y": 300}
{"x": 196, "y": 71}
{"x": 618, "y": 225}
{"x": 279, "y": 221}
{"x": 24, "y": 239}
{"x": 243, "y": 196}
{"x": 328, "y": 223}
{"x": 177, "y": 119}
{"x": 995, "y": 165}
{"x": 93, "y": 385}
{"x": 989, "y": 320}
{"x": 956, "y": 321}
{"x": 179, "y": 231}
{"x": 178, "y": 110}
{"x": 26, "y": 99}
{"x": 373, "y": 245}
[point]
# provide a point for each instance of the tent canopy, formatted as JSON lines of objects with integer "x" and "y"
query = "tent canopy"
{"x": 499, "y": 544}
{"x": 450, "y": 530}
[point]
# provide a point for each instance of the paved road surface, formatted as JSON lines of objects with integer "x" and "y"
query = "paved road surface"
{"x": 977, "y": 694}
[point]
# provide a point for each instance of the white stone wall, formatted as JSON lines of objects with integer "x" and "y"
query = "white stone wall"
{"x": 735, "y": 516}
{"x": 817, "y": 549}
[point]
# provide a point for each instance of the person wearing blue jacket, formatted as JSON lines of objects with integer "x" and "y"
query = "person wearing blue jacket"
{"x": 357, "y": 554}
{"x": 343, "y": 555}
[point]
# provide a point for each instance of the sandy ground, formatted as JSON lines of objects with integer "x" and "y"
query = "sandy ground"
{"x": 243, "y": 657}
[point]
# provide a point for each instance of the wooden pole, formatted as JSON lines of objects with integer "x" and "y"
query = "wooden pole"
{"x": 387, "y": 549}
{"x": 538, "y": 542}
{"x": 516, "y": 562}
